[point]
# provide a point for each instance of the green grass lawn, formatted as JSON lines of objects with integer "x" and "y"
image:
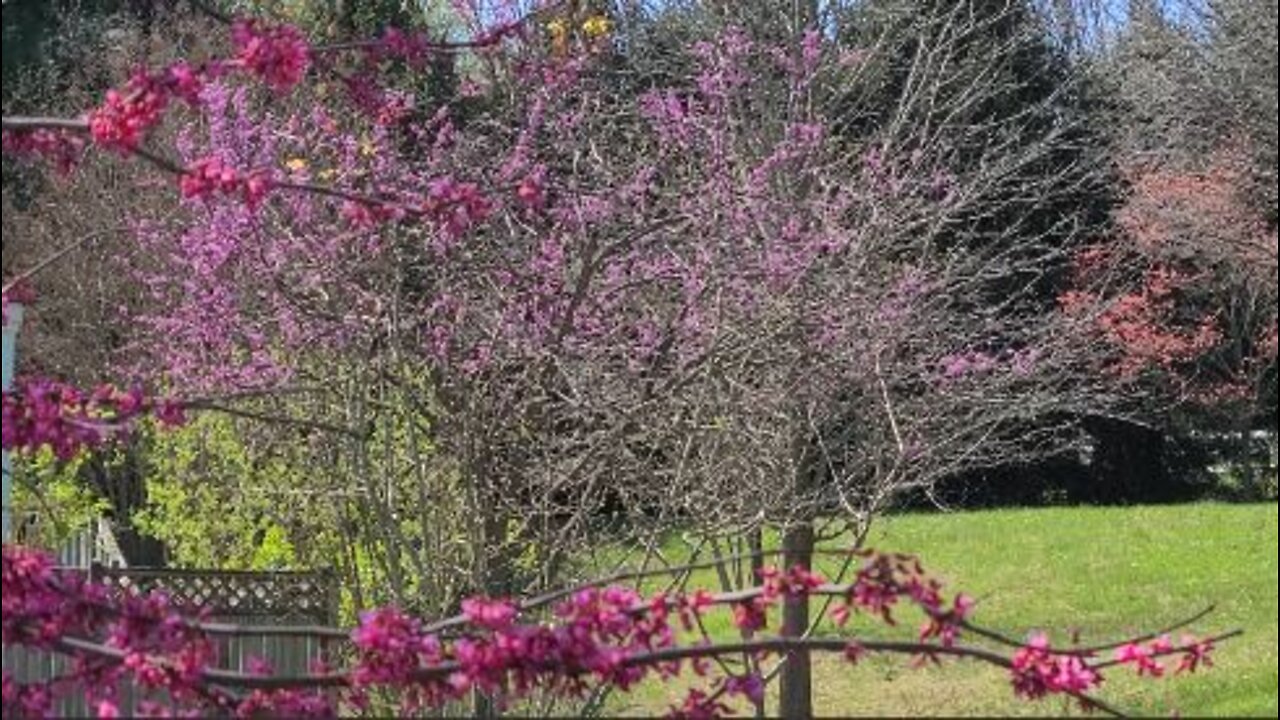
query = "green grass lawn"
{"x": 1105, "y": 571}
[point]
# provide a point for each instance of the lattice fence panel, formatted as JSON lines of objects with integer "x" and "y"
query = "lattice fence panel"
{"x": 282, "y": 596}
{"x": 240, "y": 598}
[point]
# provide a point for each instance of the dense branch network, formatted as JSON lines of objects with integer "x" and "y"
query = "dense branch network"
{"x": 739, "y": 314}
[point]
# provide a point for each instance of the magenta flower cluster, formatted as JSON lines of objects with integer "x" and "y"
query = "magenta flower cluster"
{"x": 212, "y": 175}
{"x": 42, "y": 413}
{"x": 1038, "y": 671}
{"x": 278, "y": 54}
{"x": 129, "y": 113}
{"x": 61, "y": 149}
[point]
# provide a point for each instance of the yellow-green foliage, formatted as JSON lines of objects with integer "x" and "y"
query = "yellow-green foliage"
{"x": 367, "y": 17}
{"x": 50, "y": 504}
{"x": 215, "y": 503}
{"x": 383, "y": 510}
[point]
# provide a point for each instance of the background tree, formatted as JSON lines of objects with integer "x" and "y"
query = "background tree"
{"x": 1195, "y": 139}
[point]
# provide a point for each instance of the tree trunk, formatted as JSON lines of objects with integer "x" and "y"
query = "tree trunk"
{"x": 124, "y": 487}
{"x": 755, "y": 539}
{"x": 495, "y": 573}
{"x": 796, "y": 685}
{"x": 482, "y": 707}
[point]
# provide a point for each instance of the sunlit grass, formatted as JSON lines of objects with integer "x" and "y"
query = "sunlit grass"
{"x": 1105, "y": 572}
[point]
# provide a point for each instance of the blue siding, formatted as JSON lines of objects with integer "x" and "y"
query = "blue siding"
{"x": 10, "y": 355}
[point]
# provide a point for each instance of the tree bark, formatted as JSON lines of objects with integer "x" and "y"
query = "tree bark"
{"x": 494, "y": 577}
{"x": 755, "y": 539}
{"x": 796, "y": 684}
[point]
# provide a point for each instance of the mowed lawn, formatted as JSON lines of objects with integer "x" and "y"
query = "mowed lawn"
{"x": 1107, "y": 572}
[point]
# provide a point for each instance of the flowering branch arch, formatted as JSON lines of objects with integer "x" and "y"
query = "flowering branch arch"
{"x": 595, "y": 635}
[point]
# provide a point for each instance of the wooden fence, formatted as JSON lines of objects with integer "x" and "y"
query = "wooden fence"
{"x": 240, "y": 598}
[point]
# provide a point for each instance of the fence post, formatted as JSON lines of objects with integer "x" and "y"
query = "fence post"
{"x": 12, "y": 325}
{"x": 332, "y": 610}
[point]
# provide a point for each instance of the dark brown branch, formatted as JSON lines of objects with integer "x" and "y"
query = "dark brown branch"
{"x": 1089, "y": 650}
{"x": 20, "y": 123}
{"x": 294, "y": 422}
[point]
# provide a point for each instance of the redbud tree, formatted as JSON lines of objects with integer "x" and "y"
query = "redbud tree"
{"x": 688, "y": 293}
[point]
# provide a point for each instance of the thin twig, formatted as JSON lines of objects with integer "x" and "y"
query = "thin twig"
{"x": 51, "y": 259}
{"x": 23, "y": 123}
{"x": 1090, "y": 650}
{"x": 1215, "y": 639}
